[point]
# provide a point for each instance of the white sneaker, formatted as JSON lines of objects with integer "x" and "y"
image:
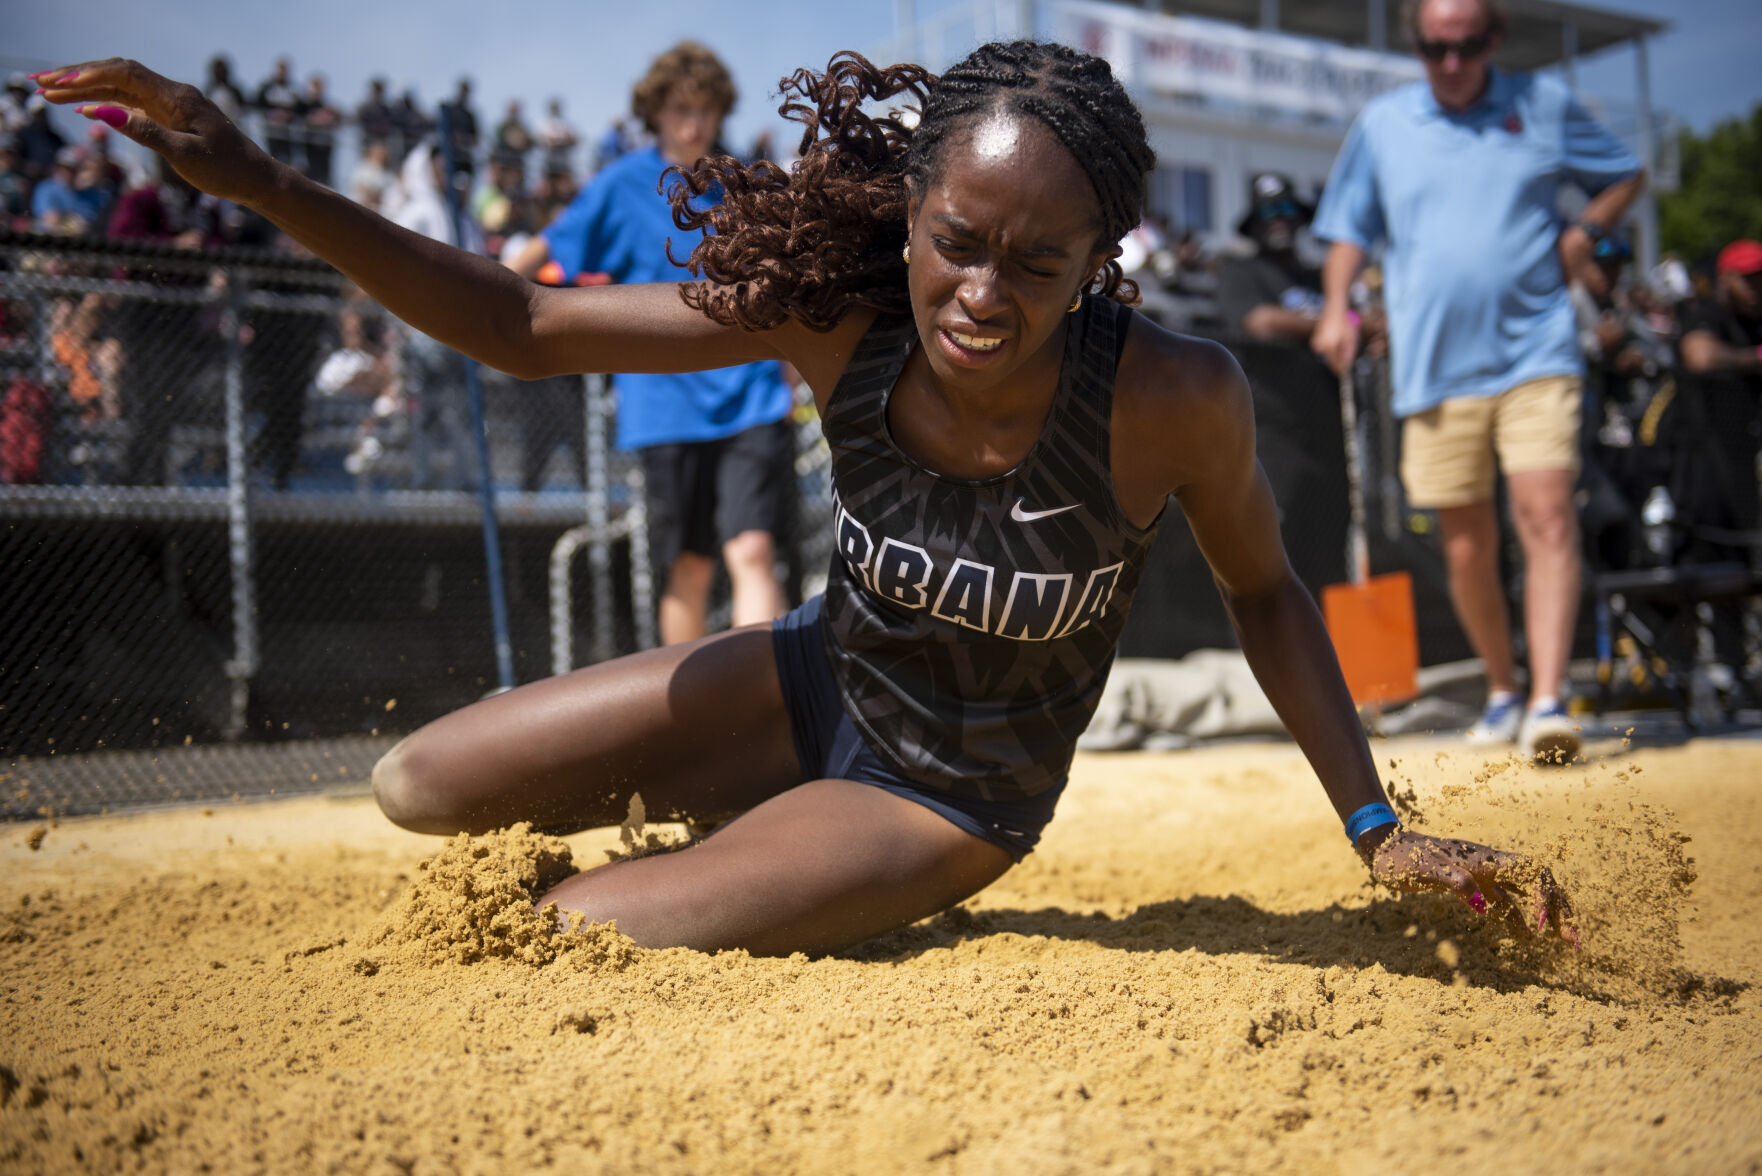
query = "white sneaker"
{"x": 1550, "y": 735}
{"x": 1499, "y": 723}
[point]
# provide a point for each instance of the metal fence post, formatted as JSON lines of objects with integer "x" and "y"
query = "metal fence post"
{"x": 642, "y": 581}
{"x": 241, "y": 548}
{"x": 599, "y": 553}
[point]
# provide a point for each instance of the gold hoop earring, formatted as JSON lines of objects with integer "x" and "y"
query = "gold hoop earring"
{"x": 1075, "y": 303}
{"x": 907, "y": 253}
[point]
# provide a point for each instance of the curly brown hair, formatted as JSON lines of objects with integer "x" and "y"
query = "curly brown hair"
{"x": 687, "y": 66}
{"x": 814, "y": 243}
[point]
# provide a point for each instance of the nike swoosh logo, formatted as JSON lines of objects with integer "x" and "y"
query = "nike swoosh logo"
{"x": 1027, "y": 516}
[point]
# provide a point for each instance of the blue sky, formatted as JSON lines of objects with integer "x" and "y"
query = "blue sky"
{"x": 589, "y": 52}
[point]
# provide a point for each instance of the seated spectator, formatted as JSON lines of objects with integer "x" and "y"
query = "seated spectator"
{"x": 619, "y": 140}
{"x": 39, "y": 143}
{"x": 461, "y": 118}
{"x": 93, "y": 185}
{"x": 1722, "y": 335}
{"x": 501, "y": 206}
{"x": 15, "y": 188}
{"x": 374, "y": 115}
{"x": 60, "y": 205}
{"x": 365, "y": 367}
{"x": 1618, "y": 341}
{"x": 558, "y": 139}
{"x": 411, "y": 124}
{"x": 372, "y": 177}
{"x": 15, "y": 106}
{"x": 319, "y": 121}
{"x": 1721, "y": 356}
{"x": 511, "y": 133}
{"x": 556, "y": 188}
{"x": 1270, "y": 294}
{"x": 25, "y": 428}
{"x": 161, "y": 210}
{"x": 90, "y": 364}
{"x": 281, "y": 106}
{"x": 112, "y": 176}
{"x": 444, "y": 450}
{"x": 220, "y": 89}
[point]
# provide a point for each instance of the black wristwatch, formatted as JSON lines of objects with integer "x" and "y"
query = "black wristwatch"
{"x": 1593, "y": 230}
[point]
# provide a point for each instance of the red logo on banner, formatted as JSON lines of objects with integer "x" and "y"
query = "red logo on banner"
{"x": 1514, "y": 124}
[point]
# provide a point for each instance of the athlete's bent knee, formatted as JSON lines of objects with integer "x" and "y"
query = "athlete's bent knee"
{"x": 397, "y": 788}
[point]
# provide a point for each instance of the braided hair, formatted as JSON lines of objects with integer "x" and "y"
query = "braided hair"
{"x": 818, "y": 241}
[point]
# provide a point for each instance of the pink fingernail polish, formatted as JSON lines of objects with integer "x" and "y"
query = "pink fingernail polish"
{"x": 1542, "y": 923}
{"x": 1479, "y": 903}
{"x": 67, "y": 77}
{"x": 114, "y": 116}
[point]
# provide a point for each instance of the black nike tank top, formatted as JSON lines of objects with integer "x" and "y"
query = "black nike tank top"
{"x": 971, "y": 624}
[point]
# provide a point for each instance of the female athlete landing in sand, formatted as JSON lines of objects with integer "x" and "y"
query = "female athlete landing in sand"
{"x": 1005, "y": 435}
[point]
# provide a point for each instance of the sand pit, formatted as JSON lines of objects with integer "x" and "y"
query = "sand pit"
{"x": 1190, "y": 976}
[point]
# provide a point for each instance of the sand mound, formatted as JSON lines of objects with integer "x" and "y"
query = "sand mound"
{"x": 474, "y": 901}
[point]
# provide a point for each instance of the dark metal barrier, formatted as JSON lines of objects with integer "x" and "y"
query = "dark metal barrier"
{"x": 1299, "y": 443}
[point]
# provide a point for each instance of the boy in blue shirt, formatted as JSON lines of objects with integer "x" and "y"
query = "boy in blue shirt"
{"x": 715, "y": 445}
{"x": 1458, "y": 175}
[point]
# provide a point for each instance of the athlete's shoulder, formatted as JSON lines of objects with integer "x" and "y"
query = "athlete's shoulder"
{"x": 1181, "y": 404}
{"x": 1165, "y": 369}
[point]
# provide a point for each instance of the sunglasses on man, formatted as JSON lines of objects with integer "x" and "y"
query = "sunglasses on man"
{"x": 1278, "y": 210}
{"x": 1465, "y": 49}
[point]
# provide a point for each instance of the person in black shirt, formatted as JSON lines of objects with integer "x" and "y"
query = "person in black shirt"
{"x": 1720, "y": 348}
{"x": 1722, "y": 335}
{"x": 279, "y": 100}
{"x": 1271, "y": 294}
{"x": 374, "y": 114}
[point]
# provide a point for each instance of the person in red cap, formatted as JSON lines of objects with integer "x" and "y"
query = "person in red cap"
{"x": 1720, "y": 354}
{"x": 1722, "y": 335}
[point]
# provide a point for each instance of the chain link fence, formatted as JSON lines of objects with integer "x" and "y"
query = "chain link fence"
{"x": 243, "y": 533}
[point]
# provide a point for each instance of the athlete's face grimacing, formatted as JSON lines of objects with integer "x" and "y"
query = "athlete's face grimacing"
{"x": 1003, "y": 236}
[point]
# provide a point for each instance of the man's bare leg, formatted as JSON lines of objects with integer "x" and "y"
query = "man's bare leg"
{"x": 1471, "y": 555}
{"x": 1547, "y": 527}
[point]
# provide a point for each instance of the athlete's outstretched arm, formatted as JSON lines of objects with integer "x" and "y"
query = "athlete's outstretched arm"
{"x": 469, "y": 302}
{"x": 1203, "y": 445}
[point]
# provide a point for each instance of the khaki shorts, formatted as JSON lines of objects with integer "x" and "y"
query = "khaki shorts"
{"x": 1447, "y": 452}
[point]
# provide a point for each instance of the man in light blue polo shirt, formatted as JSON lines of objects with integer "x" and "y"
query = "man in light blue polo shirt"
{"x": 1459, "y": 175}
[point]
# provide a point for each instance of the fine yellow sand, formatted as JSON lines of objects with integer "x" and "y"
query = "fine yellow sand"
{"x": 1190, "y": 976}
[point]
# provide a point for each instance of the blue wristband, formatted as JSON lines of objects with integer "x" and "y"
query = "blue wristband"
{"x": 1368, "y": 818}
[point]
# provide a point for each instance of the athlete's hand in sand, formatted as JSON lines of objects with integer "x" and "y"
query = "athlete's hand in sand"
{"x": 1486, "y": 879}
{"x": 168, "y": 117}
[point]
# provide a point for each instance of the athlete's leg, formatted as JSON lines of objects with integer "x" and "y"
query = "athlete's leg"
{"x": 817, "y": 868}
{"x": 685, "y": 600}
{"x": 751, "y": 558}
{"x": 1547, "y": 526}
{"x": 1471, "y": 556}
{"x": 699, "y": 729}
